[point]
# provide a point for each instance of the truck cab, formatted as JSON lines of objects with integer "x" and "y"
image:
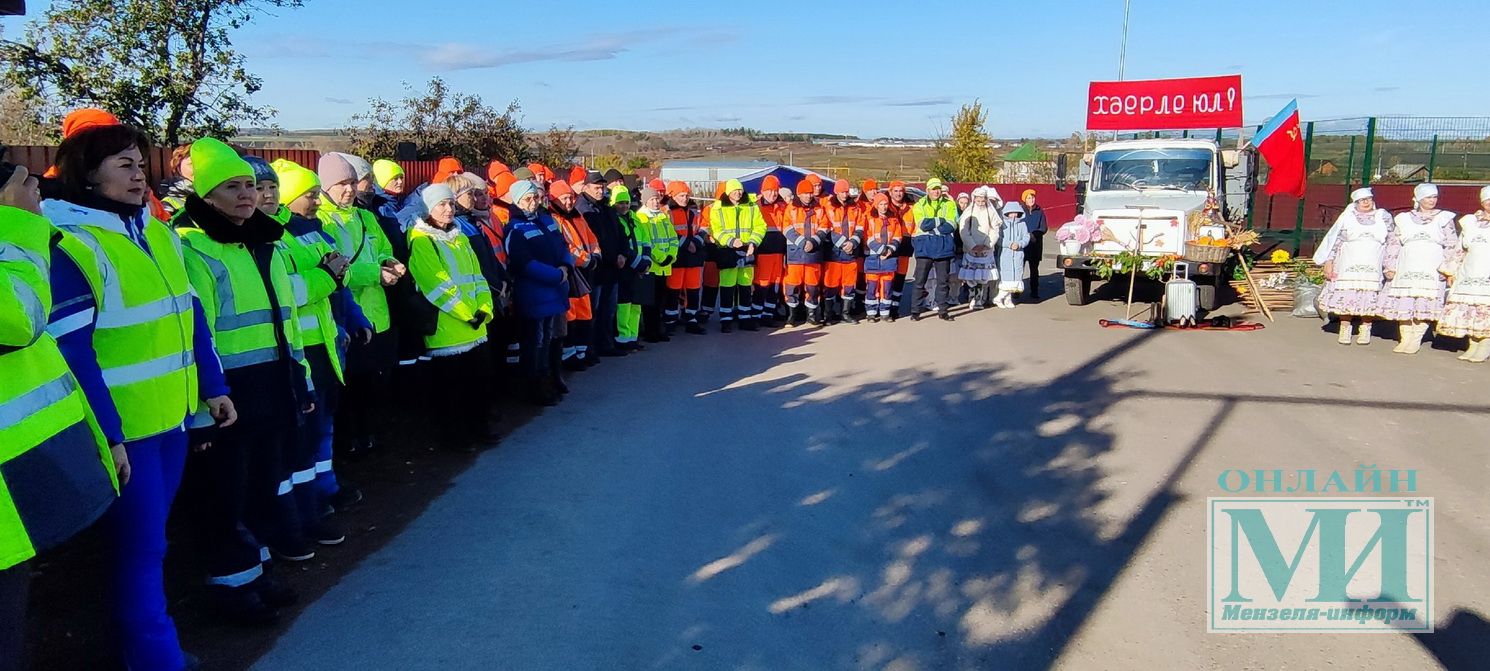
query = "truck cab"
{"x": 1143, "y": 194}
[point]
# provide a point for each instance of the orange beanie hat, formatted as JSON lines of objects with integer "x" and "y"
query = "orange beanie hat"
{"x": 447, "y": 166}
{"x": 840, "y": 186}
{"x": 804, "y": 187}
{"x": 770, "y": 183}
{"x": 502, "y": 183}
{"x": 88, "y": 117}
{"x": 674, "y": 188}
{"x": 559, "y": 188}
{"x": 869, "y": 185}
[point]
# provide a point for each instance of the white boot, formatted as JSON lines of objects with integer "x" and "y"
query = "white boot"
{"x": 1481, "y": 349}
{"x": 1363, "y": 335}
{"x": 1415, "y": 333}
{"x": 1347, "y": 331}
{"x": 1469, "y": 352}
{"x": 1404, "y": 334}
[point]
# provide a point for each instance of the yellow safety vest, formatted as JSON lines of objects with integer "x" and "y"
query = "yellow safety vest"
{"x": 143, "y": 336}
{"x": 46, "y": 427}
{"x": 447, "y": 272}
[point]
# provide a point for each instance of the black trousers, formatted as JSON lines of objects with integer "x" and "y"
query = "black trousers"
{"x": 237, "y": 503}
{"x": 939, "y": 293}
{"x": 1032, "y": 254}
{"x": 459, "y": 394}
{"x": 368, "y": 374}
{"x": 654, "y": 314}
{"x": 15, "y": 588}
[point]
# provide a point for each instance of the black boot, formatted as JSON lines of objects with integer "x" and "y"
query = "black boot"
{"x": 242, "y": 605}
{"x": 274, "y": 593}
{"x": 694, "y": 328}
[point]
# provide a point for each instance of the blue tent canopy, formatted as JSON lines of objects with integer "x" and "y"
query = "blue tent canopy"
{"x": 788, "y": 175}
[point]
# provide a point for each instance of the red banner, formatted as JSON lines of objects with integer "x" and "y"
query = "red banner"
{"x": 1165, "y": 104}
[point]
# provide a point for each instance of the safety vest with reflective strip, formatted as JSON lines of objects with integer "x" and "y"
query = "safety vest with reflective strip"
{"x": 359, "y": 237}
{"x": 659, "y": 228}
{"x": 242, "y": 318}
{"x": 311, "y": 287}
{"x": 583, "y": 245}
{"x": 43, "y": 414}
{"x": 742, "y": 222}
{"x": 447, "y": 272}
{"x": 145, "y": 327}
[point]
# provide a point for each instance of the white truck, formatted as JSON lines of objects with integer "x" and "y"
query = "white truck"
{"x": 1151, "y": 188}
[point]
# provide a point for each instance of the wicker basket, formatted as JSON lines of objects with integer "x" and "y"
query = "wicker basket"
{"x": 1206, "y": 253}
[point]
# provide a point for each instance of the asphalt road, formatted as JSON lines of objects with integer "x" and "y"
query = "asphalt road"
{"x": 1016, "y": 490}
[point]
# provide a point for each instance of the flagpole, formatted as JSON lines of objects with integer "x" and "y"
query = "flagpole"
{"x": 1123, "y": 53}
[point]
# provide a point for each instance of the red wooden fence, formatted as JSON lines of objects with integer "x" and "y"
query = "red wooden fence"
{"x": 38, "y": 158}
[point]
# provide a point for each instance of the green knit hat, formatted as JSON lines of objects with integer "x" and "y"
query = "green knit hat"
{"x": 385, "y": 170}
{"x": 619, "y": 194}
{"x": 294, "y": 180}
{"x": 213, "y": 163}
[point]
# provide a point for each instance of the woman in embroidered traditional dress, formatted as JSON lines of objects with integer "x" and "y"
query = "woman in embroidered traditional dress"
{"x": 1417, "y": 250}
{"x": 979, "y": 227}
{"x": 1467, "y": 312}
{"x": 1352, "y": 254}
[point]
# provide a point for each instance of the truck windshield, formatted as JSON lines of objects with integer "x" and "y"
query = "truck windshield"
{"x": 1152, "y": 168}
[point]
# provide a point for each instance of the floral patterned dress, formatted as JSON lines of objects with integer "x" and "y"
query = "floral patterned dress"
{"x": 1357, "y": 245}
{"x": 1420, "y": 244}
{"x": 1467, "y": 312}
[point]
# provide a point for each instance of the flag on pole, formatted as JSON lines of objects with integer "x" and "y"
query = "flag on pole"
{"x": 1282, "y": 143}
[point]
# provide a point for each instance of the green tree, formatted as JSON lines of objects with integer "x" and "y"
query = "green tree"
{"x": 166, "y": 66}
{"x": 441, "y": 122}
{"x": 964, "y": 155}
{"x": 555, "y": 148}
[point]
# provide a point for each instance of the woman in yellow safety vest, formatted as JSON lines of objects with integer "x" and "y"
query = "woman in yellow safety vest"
{"x": 448, "y": 274}
{"x": 155, "y": 352}
{"x": 240, "y": 510}
{"x": 55, "y": 478}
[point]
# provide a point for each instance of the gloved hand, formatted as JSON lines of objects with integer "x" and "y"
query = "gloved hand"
{"x": 945, "y": 228}
{"x": 928, "y": 225}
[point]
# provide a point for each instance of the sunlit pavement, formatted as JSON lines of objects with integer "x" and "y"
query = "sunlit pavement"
{"x": 1018, "y": 489}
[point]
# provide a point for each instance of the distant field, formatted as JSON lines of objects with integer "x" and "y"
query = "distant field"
{"x": 852, "y": 163}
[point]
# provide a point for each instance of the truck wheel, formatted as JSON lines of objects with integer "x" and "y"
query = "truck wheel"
{"x": 1210, "y": 295}
{"x": 1078, "y": 288}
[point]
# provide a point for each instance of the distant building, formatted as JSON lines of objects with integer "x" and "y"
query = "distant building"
{"x": 1323, "y": 167}
{"x": 1027, "y": 165}
{"x": 1408, "y": 172}
{"x": 702, "y": 175}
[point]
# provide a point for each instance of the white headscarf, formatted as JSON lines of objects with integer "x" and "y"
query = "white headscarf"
{"x": 1422, "y": 191}
{"x": 980, "y": 223}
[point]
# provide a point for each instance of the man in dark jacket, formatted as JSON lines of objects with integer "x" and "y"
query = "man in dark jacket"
{"x": 1038, "y": 226}
{"x": 615, "y": 253}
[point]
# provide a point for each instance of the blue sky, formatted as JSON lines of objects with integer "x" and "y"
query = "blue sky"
{"x": 852, "y": 67}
